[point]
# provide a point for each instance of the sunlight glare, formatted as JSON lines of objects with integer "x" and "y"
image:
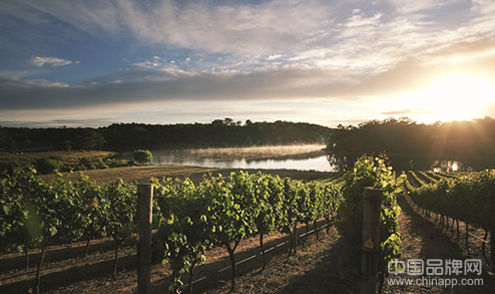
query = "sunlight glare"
{"x": 455, "y": 166}
{"x": 456, "y": 97}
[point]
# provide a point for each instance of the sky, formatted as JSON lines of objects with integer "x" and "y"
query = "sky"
{"x": 92, "y": 63}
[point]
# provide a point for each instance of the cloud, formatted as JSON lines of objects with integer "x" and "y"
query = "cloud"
{"x": 287, "y": 83}
{"x": 15, "y": 82}
{"x": 166, "y": 82}
{"x": 370, "y": 36}
{"x": 50, "y": 123}
{"x": 404, "y": 112}
{"x": 198, "y": 25}
{"x": 52, "y": 61}
{"x": 161, "y": 66}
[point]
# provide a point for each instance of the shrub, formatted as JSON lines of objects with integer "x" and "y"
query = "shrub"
{"x": 48, "y": 165}
{"x": 143, "y": 156}
{"x": 84, "y": 163}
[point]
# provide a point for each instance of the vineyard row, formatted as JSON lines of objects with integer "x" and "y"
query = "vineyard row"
{"x": 191, "y": 218}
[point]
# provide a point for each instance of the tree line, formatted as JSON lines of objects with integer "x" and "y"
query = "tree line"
{"x": 410, "y": 145}
{"x": 131, "y": 136}
{"x": 415, "y": 145}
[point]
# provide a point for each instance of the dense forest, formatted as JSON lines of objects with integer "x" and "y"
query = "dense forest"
{"x": 410, "y": 144}
{"x": 116, "y": 137}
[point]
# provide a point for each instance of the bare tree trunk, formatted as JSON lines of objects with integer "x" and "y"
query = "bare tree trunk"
{"x": 115, "y": 260}
{"x": 306, "y": 236}
{"x": 458, "y": 232}
{"x": 191, "y": 271}
{"x": 316, "y": 230}
{"x": 295, "y": 241}
{"x": 26, "y": 255}
{"x": 291, "y": 242}
{"x": 262, "y": 252}
{"x": 86, "y": 251}
{"x": 38, "y": 270}
{"x": 483, "y": 248}
{"x": 492, "y": 247}
{"x": 328, "y": 224}
{"x": 381, "y": 281}
{"x": 231, "y": 251}
{"x": 467, "y": 239}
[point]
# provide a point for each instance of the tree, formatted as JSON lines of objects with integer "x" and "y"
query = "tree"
{"x": 48, "y": 165}
{"x": 143, "y": 156}
{"x": 89, "y": 139}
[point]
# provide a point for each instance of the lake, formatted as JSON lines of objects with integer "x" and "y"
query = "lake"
{"x": 298, "y": 157}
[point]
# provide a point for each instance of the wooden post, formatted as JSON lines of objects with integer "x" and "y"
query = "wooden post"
{"x": 492, "y": 247}
{"x": 145, "y": 208}
{"x": 371, "y": 238}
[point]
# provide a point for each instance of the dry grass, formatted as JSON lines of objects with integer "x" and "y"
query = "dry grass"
{"x": 141, "y": 174}
{"x": 68, "y": 157}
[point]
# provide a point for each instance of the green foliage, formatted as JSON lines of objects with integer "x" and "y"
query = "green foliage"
{"x": 470, "y": 198}
{"x": 222, "y": 210}
{"x": 84, "y": 163}
{"x": 68, "y": 209}
{"x": 190, "y": 219}
{"x": 102, "y": 164}
{"x": 120, "y": 215}
{"x": 143, "y": 156}
{"x": 36, "y": 213}
{"x": 183, "y": 235}
{"x": 16, "y": 209}
{"x": 93, "y": 207}
{"x": 48, "y": 165}
{"x": 267, "y": 203}
{"x": 372, "y": 172}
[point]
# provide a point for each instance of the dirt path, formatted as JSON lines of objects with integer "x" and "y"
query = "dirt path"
{"x": 282, "y": 275}
{"x": 422, "y": 240}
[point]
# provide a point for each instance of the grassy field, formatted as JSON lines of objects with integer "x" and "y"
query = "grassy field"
{"x": 141, "y": 174}
{"x": 67, "y": 157}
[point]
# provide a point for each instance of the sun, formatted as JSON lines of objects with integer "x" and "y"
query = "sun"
{"x": 454, "y": 97}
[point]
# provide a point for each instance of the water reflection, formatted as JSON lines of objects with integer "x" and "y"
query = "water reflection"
{"x": 318, "y": 164}
{"x": 404, "y": 162}
{"x": 447, "y": 166}
{"x": 305, "y": 157}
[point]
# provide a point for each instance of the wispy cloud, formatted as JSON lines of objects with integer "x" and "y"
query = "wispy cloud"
{"x": 51, "y": 61}
{"x": 47, "y": 123}
{"x": 13, "y": 82}
{"x": 404, "y": 112}
{"x": 371, "y": 36}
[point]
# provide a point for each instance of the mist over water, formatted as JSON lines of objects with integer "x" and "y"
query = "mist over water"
{"x": 298, "y": 157}
{"x": 318, "y": 164}
{"x": 292, "y": 157}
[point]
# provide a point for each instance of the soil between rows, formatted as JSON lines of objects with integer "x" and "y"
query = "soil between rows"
{"x": 313, "y": 270}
